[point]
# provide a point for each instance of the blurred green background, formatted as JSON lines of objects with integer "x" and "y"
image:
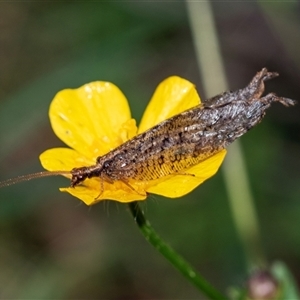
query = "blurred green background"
{"x": 54, "y": 247}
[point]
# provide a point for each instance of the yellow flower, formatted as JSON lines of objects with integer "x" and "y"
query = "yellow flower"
{"x": 95, "y": 118}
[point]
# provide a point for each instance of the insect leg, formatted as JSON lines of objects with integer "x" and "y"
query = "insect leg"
{"x": 101, "y": 188}
{"x": 185, "y": 174}
{"x": 132, "y": 188}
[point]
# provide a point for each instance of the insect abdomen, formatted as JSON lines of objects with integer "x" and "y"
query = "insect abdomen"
{"x": 170, "y": 147}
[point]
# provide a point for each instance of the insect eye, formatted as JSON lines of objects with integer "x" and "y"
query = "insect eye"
{"x": 106, "y": 164}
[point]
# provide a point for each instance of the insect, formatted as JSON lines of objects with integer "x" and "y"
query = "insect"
{"x": 181, "y": 141}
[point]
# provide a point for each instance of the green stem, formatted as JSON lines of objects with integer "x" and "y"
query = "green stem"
{"x": 211, "y": 67}
{"x": 174, "y": 258}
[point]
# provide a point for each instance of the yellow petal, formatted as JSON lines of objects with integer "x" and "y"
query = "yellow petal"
{"x": 89, "y": 119}
{"x": 173, "y": 96}
{"x": 90, "y": 193}
{"x": 63, "y": 159}
{"x": 179, "y": 185}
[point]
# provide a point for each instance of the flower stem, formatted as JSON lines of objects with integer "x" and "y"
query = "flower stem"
{"x": 211, "y": 67}
{"x": 174, "y": 258}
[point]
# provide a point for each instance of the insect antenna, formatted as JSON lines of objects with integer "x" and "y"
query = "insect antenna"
{"x": 27, "y": 177}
